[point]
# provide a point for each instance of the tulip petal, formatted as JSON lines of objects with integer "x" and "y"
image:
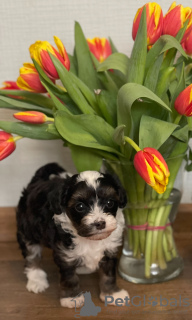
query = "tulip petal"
{"x": 31, "y": 117}
{"x": 152, "y": 167}
{"x": 100, "y": 47}
{"x": 6, "y": 146}
{"x": 143, "y": 168}
{"x": 40, "y": 50}
{"x": 158, "y": 159}
{"x": 183, "y": 103}
{"x": 154, "y": 17}
{"x": 29, "y": 79}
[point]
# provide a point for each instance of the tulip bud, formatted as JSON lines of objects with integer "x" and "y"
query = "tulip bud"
{"x": 187, "y": 44}
{"x": 100, "y": 47}
{"x": 154, "y": 17}
{"x": 7, "y": 144}
{"x": 32, "y": 117}
{"x": 10, "y": 85}
{"x": 152, "y": 167}
{"x": 39, "y": 51}
{"x": 183, "y": 103}
{"x": 175, "y": 18}
{"x": 29, "y": 79}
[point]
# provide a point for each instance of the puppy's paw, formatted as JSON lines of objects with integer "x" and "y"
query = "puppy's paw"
{"x": 118, "y": 294}
{"x": 37, "y": 280}
{"x": 70, "y": 302}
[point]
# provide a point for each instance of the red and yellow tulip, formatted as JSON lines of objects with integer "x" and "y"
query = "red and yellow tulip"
{"x": 154, "y": 16}
{"x": 187, "y": 44}
{"x": 152, "y": 167}
{"x": 29, "y": 79}
{"x": 39, "y": 51}
{"x": 10, "y": 85}
{"x": 32, "y": 117}
{"x": 100, "y": 47}
{"x": 175, "y": 19}
{"x": 7, "y": 144}
{"x": 183, "y": 103}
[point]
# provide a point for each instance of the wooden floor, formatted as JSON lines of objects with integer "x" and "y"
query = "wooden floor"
{"x": 18, "y": 304}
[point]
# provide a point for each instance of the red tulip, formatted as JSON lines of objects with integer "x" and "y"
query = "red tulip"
{"x": 154, "y": 16}
{"x": 152, "y": 167}
{"x": 32, "y": 117}
{"x": 187, "y": 44}
{"x": 10, "y": 85}
{"x": 183, "y": 103}
{"x": 39, "y": 51}
{"x": 100, "y": 47}
{"x": 29, "y": 79}
{"x": 175, "y": 18}
{"x": 7, "y": 144}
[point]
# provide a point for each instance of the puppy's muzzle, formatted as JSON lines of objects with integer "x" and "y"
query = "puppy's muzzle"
{"x": 100, "y": 224}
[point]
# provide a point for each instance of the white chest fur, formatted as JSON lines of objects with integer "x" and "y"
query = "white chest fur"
{"x": 90, "y": 252}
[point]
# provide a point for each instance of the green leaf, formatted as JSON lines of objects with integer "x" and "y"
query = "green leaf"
{"x": 107, "y": 102}
{"x": 71, "y": 84}
{"x": 113, "y": 47}
{"x": 85, "y": 158}
{"x": 32, "y": 131}
{"x": 165, "y": 77}
{"x": 133, "y": 101}
{"x": 154, "y": 132}
{"x": 58, "y": 104}
{"x": 86, "y": 71}
{"x": 139, "y": 52}
{"x": 119, "y": 134}
{"x": 127, "y": 95}
{"x": 88, "y": 159}
{"x": 163, "y": 44}
{"x": 10, "y": 103}
{"x": 88, "y": 94}
{"x": 73, "y": 64}
{"x": 69, "y": 103}
{"x": 117, "y": 61}
{"x": 181, "y": 134}
{"x": 88, "y": 131}
{"x": 153, "y": 73}
{"x": 30, "y": 97}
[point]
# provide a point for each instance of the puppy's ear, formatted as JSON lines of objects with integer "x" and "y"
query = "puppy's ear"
{"x": 59, "y": 196}
{"x": 57, "y": 199}
{"x": 122, "y": 197}
{"x": 113, "y": 178}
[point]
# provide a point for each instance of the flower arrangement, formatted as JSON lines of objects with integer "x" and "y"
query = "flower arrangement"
{"x": 124, "y": 109}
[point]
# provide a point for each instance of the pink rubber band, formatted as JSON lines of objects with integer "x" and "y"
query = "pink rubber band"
{"x": 138, "y": 227}
{"x": 145, "y": 226}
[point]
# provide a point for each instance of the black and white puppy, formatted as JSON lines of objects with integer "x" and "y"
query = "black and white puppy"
{"x": 80, "y": 218}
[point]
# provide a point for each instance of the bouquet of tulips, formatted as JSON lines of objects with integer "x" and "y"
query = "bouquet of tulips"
{"x": 104, "y": 104}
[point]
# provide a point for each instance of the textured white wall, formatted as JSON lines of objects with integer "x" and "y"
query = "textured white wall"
{"x": 22, "y": 22}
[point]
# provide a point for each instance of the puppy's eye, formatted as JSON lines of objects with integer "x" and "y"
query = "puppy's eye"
{"x": 80, "y": 207}
{"x": 110, "y": 204}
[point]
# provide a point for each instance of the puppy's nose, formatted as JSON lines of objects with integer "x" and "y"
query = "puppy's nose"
{"x": 100, "y": 224}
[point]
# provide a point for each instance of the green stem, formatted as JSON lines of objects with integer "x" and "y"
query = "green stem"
{"x": 132, "y": 143}
{"x": 177, "y": 119}
{"x": 160, "y": 251}
{"x": 167, "y": 253}
{"x": 50, "y": 119}
{"x": 151, "y": 219}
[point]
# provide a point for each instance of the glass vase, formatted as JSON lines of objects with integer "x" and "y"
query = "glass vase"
{"x": 149, "y": 252}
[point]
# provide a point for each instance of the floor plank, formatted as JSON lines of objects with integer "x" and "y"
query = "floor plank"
{"x": 16, "y": 303}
